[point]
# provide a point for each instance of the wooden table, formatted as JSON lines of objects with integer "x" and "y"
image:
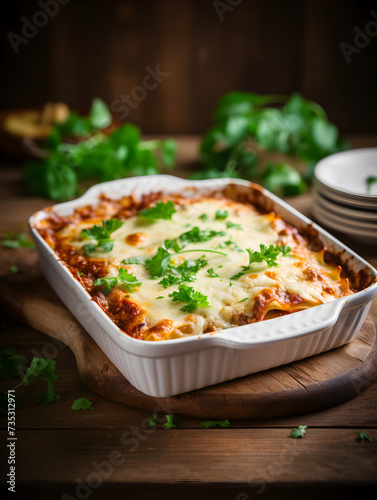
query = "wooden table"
{"x": 113, "y": 450}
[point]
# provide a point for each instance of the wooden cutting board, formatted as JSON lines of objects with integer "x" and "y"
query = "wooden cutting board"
{"x": 304, "y": 386}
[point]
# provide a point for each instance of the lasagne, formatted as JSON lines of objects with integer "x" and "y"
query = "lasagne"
{"x": 165, "y": 267}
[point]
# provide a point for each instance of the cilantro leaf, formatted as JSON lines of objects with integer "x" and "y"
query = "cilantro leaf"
{"x": 82, "y": 404}
{"x": 212, "y": 424}
{"x": 299, "y": 431}
{"x": 221, "y": 214}
{"x": 212, "y": 273}
{"x": 171, "y": 422}
{"x": 11, "y": 364}
{"x": 193, "y": 298}
{"x": 230, "y": 224}
{"x": 160, "y": 211}
{"x": 363, "y": 436}
{"x": 126, "y": 279}
{"x": 102, "y": 235}
{"x": 196, "y": 235}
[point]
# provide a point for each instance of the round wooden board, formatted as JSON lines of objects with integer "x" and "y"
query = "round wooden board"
{"x": 304, "y": 386}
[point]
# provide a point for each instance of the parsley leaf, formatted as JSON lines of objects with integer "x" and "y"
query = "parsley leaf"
{"x": 152, "y": 421}
{"x": 160, "y": 211}
{"x": 212, "y": 273}
{"x": 363, "y": 436}
{"x": 171, "y": 422}
{"x": 45, "y": 369}
{"x": 159, "y": 265}
{"x": 230, "y": 243}
{"x": 196, "y": 235}
{"x": 16, "y": 240}
{"x": 230, "y": 224}
{"x": 221, "y": 214}
{"x": 141, "y": 259}
{"x": 204, "y": 217}
{"x": 11, "y": 364}
{"x": 369, "y": 182}
{"x": 127, "y": 281}
{"x": 266, "y": 254}
{"x": 82, "y": 404}
{"x": 193, "y": 298}
{"x": 212, "y": 424}
{"x": 102, "y": 235}
{"x": 299, "y": 431}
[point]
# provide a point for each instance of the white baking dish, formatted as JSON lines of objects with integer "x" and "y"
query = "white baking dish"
{"x": 173, "y": 367}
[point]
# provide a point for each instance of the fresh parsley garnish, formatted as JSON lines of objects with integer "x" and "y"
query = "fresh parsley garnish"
{"x": 16, "y": 240}
{"x": 152, "y": 421}
{"x": 230, "y": 224}
{"x": 299, "y": 431}
{"x": 193, "y": 298}
{"x": 140, "y": 259}
{"x": 160, "y": 211}
{"x": 160, "y": 265}
{"x": 196, "y": 235}
{"x": 204, "y": 217}
{"x": 267, "y": 254}
{"x": 221, "y": 214}
{"x": 171, "y": 422}
{"x": 230, "y": 244}
{"x": 212, "y": 424}
{"x": 369, "y": 182}
{"x": 101, "y": 234}
{"x": 126, "y": 279}
{"x": 42, "y": 369}
{"x": 363, "y": 436}
{"x": 82, "y": 404}
{"x": 212, "y": 273}
{"x": 11, "y": 364}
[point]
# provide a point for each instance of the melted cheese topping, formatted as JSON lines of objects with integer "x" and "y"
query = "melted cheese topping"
{"x": 302, "y": 279}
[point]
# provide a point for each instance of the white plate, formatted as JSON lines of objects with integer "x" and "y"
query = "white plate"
{"x": 342, "y": 211}
{"x": 347, "y": 172}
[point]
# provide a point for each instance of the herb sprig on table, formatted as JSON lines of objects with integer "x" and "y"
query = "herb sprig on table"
{"x": 81, "y": 149}
{"x": 246, "y": 124}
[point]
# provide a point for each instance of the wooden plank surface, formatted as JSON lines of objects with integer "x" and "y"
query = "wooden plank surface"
{"x": 62, "y": 444}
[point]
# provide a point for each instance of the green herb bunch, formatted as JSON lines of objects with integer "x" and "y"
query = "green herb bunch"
{"x": 80, "y": 150}
{"x": 246, "y": 123}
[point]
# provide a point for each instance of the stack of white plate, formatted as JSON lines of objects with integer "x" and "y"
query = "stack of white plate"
{"x": 343, "y": 199}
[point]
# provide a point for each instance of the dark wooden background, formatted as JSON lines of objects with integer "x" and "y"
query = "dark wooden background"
{"x": 102, "y": 47}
